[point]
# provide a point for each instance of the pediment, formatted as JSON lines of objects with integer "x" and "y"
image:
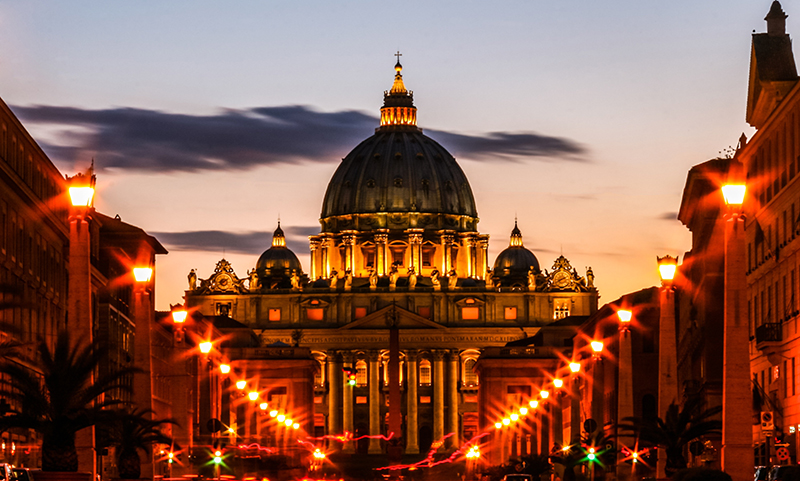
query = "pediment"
{"x": 405, "y": 320}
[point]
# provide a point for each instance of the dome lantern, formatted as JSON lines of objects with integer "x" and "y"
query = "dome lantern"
{"x": 398, "y": 109}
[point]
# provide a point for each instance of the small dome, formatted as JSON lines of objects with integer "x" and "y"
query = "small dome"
{"x": 515, "y": 261}
{"x": 278, "y": 260}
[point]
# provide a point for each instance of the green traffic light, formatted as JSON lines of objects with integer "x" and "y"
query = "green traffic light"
{"x": 217, "y": 459}
{"x": 591, "y": 457}
{"x": 351, "y": 382}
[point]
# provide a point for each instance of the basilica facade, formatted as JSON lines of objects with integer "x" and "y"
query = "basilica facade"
{"x": 398, "y": 248}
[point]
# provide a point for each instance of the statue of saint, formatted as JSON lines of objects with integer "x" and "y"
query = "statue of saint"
{"x": 373, "y": 279}
{"x": 333, "y": 279}
{"x": 452, "y": 279}
{"x": 435, "y": 279}
{"x": 254, "y": 282}
{"x": 192, "y": 280}
{"x": 489, "y": 281}
{"x": 393, "y": 275}
{"x": 348, "y": 280}
{"x": 532, "y": 278}
{"x": 589, "y": 277}
{"x": 412, "y": 278}
{"x": 295, "y": 280}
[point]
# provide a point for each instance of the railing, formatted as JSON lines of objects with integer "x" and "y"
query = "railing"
{"x": 769, "y": 332}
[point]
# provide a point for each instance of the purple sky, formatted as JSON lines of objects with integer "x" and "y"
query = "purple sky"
{"x": 209, "y": 120}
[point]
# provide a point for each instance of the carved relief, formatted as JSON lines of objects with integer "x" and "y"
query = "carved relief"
{"x": 224, "y": 280}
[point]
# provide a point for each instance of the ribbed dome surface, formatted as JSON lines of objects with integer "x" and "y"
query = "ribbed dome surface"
{"x": 515, "y": 261}
{"x": 399, "y": 170}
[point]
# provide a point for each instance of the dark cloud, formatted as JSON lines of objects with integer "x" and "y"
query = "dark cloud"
{"x": 151, "y": 140}
{"x": 253, "y": 243}
{"x": 668, "y": 216}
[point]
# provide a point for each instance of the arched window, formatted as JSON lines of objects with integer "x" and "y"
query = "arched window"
{"x": 425, "y": 372}
{"x": 361, "y": 373}
{"x": 319, "y": 378}
{"x": 470, "y": 377}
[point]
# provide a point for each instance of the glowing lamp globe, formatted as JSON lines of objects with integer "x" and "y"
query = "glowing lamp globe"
{"x": 224, "y": 368}
{"x": 253, "y": 395}
{"x": 281, "y": 418}
{"x": 263, "y": 406}
{"x": 205, "y": 347}
{"x": 597, "y": 346}
{"x": 514, "y": 417}
{"x": 142, "y": 274}
{"x": 498, "y": 425}
{"x": 288, "y": 422}
{"x": 523, "y": 411}
{"x": 81, "y": 196}
{"x": 733, "y": 193}
{"x": 624, "y": 316}
{"x": 533, "y": 404}
{"x": 179, "y": 316}
{"x": 241, "y": 384}
{"x": 667, "y": 266}
{"x": 558, "y": 383}
{"x": 575, "y": 367}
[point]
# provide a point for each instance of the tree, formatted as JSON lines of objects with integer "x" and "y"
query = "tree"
{"x": 681, "y": 426}
{"x": 135, "y": 431}
{"x": 53, "y": 394}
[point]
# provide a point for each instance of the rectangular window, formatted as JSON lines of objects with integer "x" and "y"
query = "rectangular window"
{"x": 224, "y": 309}
{"x": 510, "y": 313}
{"x": 427, "y": 256}
{"x": 361, "y": 399}
{"x": 424, "y": 311}
{"x": 317, "y": 399}
{"x": 424, "y": 399}
{"x": 274, "y": 315}
{"x": 470, "y": 313}
{"x": 315, "y": 314}
{"x": 560, "y": 308}
{"x": 398, "y": 255}
{"x": 368, "y": 253}
{"x": 360, "y": 312}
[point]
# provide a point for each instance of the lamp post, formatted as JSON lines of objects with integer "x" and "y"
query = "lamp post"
{"x": 181, "y": 404}
{"x": 625, "y": 388}
{"x": 143, "y": 311}
{"x": 575, "y": 404}
{"x": 598, "y": 390}
{"x": 737, "y": 451}
{"x": 667, "y": 349}
{"x": 79, "y": 300}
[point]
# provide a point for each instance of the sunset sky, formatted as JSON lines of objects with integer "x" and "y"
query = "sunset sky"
{"x": 208, "y": 120}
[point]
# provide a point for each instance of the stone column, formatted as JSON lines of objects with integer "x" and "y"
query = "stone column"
{"x": 415, "y": 240}
{"x": 482, "y": 250}
{"x": 381, "y": 241}
{"x": 314, "y": 246}
{"x": 375, "y": 421}
{"x": 438, "y": 395}
{"x": 347, "y": 406}
{"x": 557, "y": 425}
{"x": 737, "y": 435}
{"x": 467, "y": 244}
{"x": 349, "y": 253}
{"x": 335, "y": 386}
{"x": 412, "y": 423}
{"x": 447, "y": 240}
{"x": 325, "y": 263}
{"x": 545, "y": 421}
{"x": 452, "y": 400}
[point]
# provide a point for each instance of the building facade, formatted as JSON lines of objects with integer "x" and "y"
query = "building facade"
{"x": 398, "y": 249}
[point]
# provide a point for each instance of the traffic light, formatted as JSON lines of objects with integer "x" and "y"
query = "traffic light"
{"x": 170, "y": 457}
{"x": 351, "y": 375}
{"x": 217, "y": 456}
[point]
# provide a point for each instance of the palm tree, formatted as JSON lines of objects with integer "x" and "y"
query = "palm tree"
{"x": 53, "y": 394}
{"x": 135, "y": 431}
{"x": 680, "y": 427}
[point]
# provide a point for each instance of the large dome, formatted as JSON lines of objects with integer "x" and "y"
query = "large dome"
{"x": 399, "y": 170}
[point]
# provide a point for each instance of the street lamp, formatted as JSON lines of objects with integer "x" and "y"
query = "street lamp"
{"x": 737, "y": 451}
{"x": 224, "y": 368}
{"x": 575, "y": 404}
{"x": 205, "y": 347}
{"x": 143, "y": 311}
{"x": 625, "y": 387}
{"x": 597, "y": 383}
{"x": 667, "y": 348}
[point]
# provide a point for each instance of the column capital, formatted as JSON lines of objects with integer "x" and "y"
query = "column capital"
{"x": 381, "y": 238}
{"x": 333, "y": 355}
{"x": 415, "y": 238}
{"x": 412, "y": 355}
{"x": 438, "y": 354}
{"x": 347, "y": 356}
{"x": 373, "y": 355}
{"x": 452, "y": 355}
{"x": 349, "y": 239}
